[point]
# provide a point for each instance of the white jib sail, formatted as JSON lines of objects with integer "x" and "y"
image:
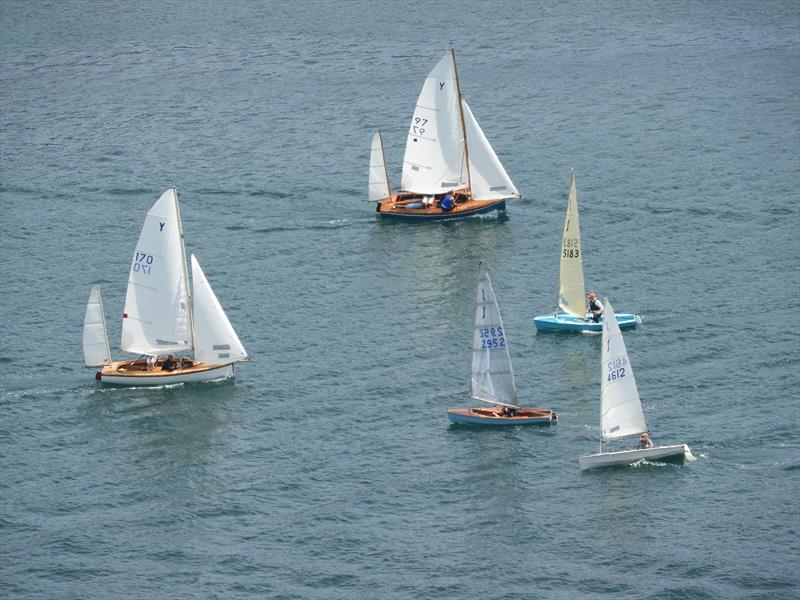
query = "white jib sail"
{"x": 434, "y": 158}
{"x": 216, "y": 343}
{"x": 620, "y": 407}
{"x": 157, "y": 316}
{"x": 492, "y": 376}
{"x": 95, "y": 337}
{"x": 571, "y": 293}
{"x": 488, "y": 177}
{"x": 379, "y": 187}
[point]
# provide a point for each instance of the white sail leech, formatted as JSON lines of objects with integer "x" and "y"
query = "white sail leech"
{"x": 621, "y": 408}
{"x": 379, "y": 186}
{"x": 216, "y": 342}
{"x": 157, "y": 315}
{"x": 571, "y": 293}
{"x": 96, "y": 351}
{"x": 492, "y": 377}
{"x": 434, "y": 160}
{"x": 489, "y": 179}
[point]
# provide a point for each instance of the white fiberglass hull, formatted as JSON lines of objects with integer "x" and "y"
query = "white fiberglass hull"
{"x": 211, "y": 373}
{"x": 627, "y": 457}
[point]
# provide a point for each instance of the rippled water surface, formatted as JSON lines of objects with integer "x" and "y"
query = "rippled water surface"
{"x": 328, "y": 468}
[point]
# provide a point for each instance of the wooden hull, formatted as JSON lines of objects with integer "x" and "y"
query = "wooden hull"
{"x": 128, "y": 372}
{"x": 406, "y": 209}
{"x": 627, "y": 457}
{"x": 567, "y": 322}
{"x": 491, "y": 416}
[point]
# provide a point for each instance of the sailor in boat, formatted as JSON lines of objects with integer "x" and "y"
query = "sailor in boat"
{"x": 645, "y": 442}
{"x": 595, "y": 306}
{"x": 448, "y": 203}
{"x": 152, "y": 361}
{"x": 169, "y": 364}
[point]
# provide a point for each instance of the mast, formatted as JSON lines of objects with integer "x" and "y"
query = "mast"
{"x": 461, "y": 114}
{"x": 189, "y": 309}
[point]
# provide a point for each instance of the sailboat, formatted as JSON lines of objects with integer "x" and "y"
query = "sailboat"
{"x": 450, "y": 169}
{"x": 571, "y": 293}
{"x": 492, "y": 379}
{"x": 621, "y": 414}
{"x": 162, "y": 317}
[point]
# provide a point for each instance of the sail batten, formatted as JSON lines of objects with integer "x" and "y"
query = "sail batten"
{"x": 620, "y": 406}
{"x": 492, "y": 377}
{"x": 571, "y": 293}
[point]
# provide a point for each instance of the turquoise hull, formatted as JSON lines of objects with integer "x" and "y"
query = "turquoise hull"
{"x": 567, "y": 322}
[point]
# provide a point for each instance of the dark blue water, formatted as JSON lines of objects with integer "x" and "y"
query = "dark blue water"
{"x": 328, "y": 468}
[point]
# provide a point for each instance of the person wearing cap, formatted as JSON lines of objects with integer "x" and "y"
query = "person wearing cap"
{"x": 645, "y": 442}
{"x": 595, "y": 306}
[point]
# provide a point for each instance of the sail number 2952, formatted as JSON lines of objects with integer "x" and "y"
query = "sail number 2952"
{"x": 143, "y": 262}
{"x": 492, "y": 337}
{"x": 616, "y": 369}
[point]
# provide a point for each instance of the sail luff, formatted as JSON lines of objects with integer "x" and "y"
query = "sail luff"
{"x": 571, "y": 293}
{"x": 461, "y": 115}
{"x": 185, "y": 279}
{"x": 621, "y": 412}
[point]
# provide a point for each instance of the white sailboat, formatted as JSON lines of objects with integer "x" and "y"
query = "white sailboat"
{"x": 450, "y": 169}
{"x": 621, "y": 414}
{"x": 492, "y": 378}
{"x": 162, "y": 317}
{"x": 572, "y": 292}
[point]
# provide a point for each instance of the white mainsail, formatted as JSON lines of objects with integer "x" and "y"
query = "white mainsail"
{"x": 492, "y": 376}
{"x": 216, "y": 343}
{"x": 379, "y": 187}
{"x": 434, "y": 160}
{"x": 95, "y": 337}
{"x": 488, "y": 178}
{"x": 571, "y": 293}
{"x": 157, "y": 316}
{"x": 620, "y": 407}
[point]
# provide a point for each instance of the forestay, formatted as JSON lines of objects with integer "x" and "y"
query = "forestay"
{"x": 571, "y": 293}
{"x": 216, "y": 343}
{"x": 488, "y": 178}
{"x": 379, "y": 188}
{"x": 95, "y": 337}
{"x": 621, "y": 409}
{"x": 492, "y": 376}
{"x": 434, "y": 158}
{"x": 157, "y": 317}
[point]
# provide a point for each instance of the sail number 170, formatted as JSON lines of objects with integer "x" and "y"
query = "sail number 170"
{"x": 142, "y": 261}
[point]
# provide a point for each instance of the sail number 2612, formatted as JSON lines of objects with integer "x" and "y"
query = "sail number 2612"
{"x": 143, "y": 262}
{"x": 616, "y": 369}
{"x": 492, "y": 337}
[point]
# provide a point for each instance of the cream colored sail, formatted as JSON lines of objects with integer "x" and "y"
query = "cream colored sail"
{"x": 95, "y": 337}
{"x": 571, "y": 293}
{"x": 620, "y": 406}
{"x": 157, "y": 316}
{"x": 492, "y": 376}
{"x": 434, "y": 160}
{"x": 216, "y": 343}
{"x": 488, "y": 178}
{"x": 379, "y": 187}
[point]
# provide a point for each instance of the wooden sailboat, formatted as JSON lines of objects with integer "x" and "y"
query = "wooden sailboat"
{"x": 621, "y": 414}
{"x": 450, "y": 169}
{"x": 492, "y": 379}
{"x": 571, "y": 293}
{"x": 161, "y": 316}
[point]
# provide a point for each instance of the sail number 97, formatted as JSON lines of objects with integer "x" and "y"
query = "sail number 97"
{"x": 418, "y": 125}
{"x": 616, "y": 369}
{"x": 492, "y": 337}
{"x": 143, "y": 262}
